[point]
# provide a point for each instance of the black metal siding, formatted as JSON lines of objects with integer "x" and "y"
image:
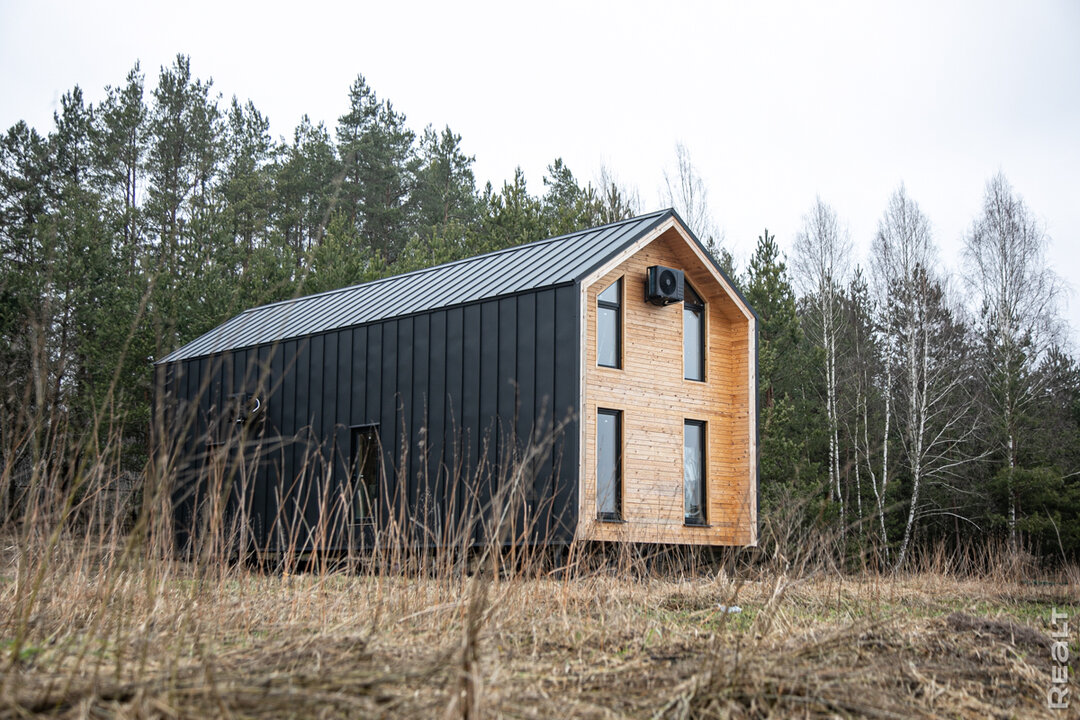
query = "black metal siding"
{"x": 452, "y": 391}
{"x": 453, "y": 431}
{"x": 567, "y": 393}
{"x": 435, "y": 479}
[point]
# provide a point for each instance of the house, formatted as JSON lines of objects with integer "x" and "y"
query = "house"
{"x": 622, "y": 355}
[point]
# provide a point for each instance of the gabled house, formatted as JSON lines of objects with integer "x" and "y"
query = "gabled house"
{"x": 403, "y": 400}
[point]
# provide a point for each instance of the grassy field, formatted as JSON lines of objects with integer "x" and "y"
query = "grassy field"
{"x": 91, "y": 634}
{"x": 100, "y": 619}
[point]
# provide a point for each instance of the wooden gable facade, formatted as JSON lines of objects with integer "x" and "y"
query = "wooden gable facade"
{"x": 655, "y": 401}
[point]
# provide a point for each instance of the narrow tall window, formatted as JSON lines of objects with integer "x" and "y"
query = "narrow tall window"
{"x": 693, "y": 335}
{"x": 609, "y": 326}
{"x": 609, "y": 464}
{"x": 694, "y": 472}
{"x": 365, "y": 472}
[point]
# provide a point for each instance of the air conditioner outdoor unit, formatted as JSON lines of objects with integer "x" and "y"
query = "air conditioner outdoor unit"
{"x": 664, "y": 285}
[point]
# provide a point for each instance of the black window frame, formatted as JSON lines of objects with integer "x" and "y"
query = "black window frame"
{"x": 371, "y": 495}
{"x": 617, "y": 307}
{"x": 699, "y": 307}
{"x": 701, "y": 519}
{"x": 617, "y": 515}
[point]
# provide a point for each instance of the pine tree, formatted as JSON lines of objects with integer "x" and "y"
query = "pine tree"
{"x": 247, "y": 183}
{"x": 183, "y": 209}
{"x": 304, "y": 185}
{"x": 566, "y": 206}
{"x": 342, "y": 259}
{"x": 615, "y": 201}
{"x": 445, "y": 186}
{"x": 783, "y": 365}
{"x": 380, "y": 166}
{"x": 512, "y": 216}
{"x": 119, "y": 147}
{"x": 26, "y": 189}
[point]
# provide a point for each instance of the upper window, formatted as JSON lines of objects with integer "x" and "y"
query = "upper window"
{"x": 609, "y": 326}
{"x": 694, "y": 472}
{"x": 609, "y": 464}
{"x": 693, "y": 335}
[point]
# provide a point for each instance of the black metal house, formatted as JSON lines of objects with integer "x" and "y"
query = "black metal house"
{"x": 321, "y": 420}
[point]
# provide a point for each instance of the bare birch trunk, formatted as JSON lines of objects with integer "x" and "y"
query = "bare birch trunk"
{"x": 820, "y": 263}
{"x": 917, "y": 420}
{"x": 879, "y": 494}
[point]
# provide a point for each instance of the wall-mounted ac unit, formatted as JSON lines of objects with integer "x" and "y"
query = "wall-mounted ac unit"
{"x": 664, "y": 285}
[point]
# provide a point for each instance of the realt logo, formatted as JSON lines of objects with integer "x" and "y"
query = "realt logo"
{"x": 1057, "y": 695}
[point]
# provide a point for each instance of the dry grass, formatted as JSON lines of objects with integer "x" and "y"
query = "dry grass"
{"x": 165, "y": 639}
{"x": 101, "y": 620}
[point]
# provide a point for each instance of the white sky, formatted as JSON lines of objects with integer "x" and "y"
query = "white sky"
{"x": 776, "y": 102}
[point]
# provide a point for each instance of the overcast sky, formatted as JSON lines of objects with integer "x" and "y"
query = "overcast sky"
{"x": 776, "y": 102}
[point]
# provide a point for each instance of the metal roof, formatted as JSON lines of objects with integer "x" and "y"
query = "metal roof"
{"x": 532, "y": 266}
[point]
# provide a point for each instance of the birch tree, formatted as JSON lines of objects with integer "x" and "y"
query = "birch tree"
{"x": 861, "y": 374}
{"x": 820, "y": 266}
{"x": 1017, "y": 294}
{"x": 927, "y": 347}
{"x": 686, "y": 191}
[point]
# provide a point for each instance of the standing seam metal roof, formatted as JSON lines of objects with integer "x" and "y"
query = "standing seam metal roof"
{"x": 532, "y": 266}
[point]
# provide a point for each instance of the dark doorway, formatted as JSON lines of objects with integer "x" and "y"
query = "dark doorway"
{"x": 366, "y": 473}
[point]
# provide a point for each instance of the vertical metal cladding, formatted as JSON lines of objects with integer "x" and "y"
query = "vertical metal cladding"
{"x": 457, "y": 394}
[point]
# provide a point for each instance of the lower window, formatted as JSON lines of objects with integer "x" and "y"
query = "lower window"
{"x": 694, "y": 472}
{"x": 609, "y": 464}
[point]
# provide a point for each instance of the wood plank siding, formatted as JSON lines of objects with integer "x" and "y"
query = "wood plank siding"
{"x": 655, "y": 402}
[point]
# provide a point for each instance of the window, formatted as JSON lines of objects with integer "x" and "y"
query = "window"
{"x": 693, "y": 335}
{"x": 694, "y": 472}
{"x": 609, "y": 327}
{"x": 365, "y": 472}
{"x": 609, "y": 464}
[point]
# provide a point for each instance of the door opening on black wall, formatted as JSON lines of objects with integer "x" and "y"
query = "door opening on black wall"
{"x": 366, "y": 472}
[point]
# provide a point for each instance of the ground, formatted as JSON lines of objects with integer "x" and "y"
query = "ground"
{"x": 163, "y": 639}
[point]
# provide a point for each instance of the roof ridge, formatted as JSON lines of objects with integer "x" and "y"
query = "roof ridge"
{"x": 459, "y": 261}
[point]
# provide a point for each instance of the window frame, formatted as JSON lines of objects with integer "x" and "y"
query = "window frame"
{"x": 617, "y": 307}
{"x": 690, "y": 307}
{"x": 702, "y": 518}
{"x": 617, "y": 515}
